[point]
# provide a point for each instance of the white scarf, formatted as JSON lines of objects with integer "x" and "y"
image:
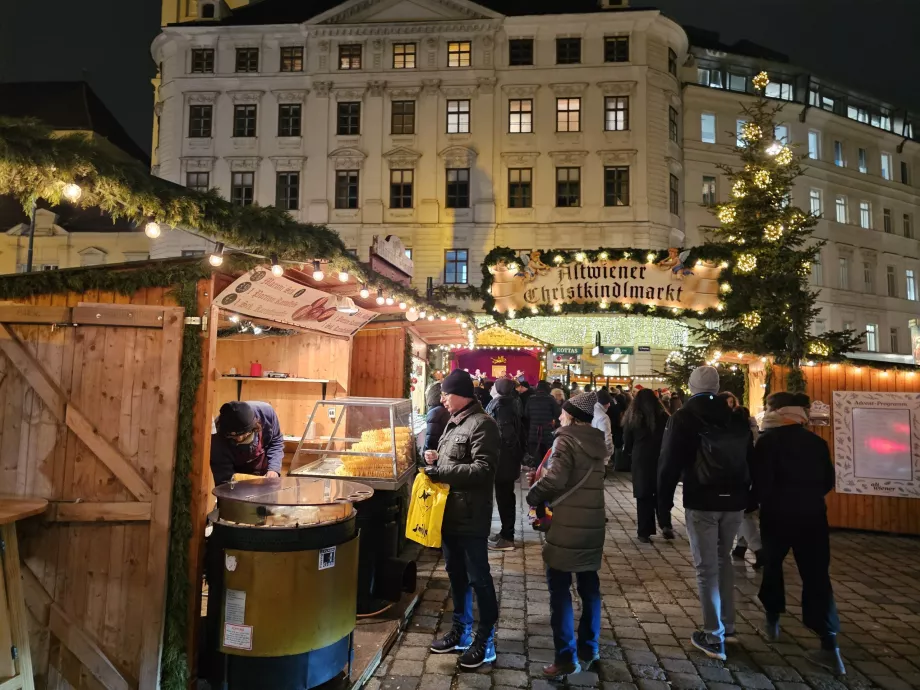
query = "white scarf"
{"x": 784, "y": 416}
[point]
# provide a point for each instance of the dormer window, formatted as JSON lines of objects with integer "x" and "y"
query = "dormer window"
{"x": 208, "y": 10}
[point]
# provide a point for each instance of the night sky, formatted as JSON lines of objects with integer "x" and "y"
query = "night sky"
{"x": 107, "y": 42}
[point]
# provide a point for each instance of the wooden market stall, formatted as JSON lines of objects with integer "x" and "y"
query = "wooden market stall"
{"x": 107, "y": 393}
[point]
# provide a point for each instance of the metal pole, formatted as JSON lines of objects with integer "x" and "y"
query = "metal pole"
{"x": 31, "y": 239}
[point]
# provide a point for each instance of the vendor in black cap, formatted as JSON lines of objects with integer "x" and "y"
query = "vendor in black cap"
{"x": 247, "y": 440}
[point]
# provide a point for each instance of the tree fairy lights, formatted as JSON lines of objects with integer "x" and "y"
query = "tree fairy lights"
{"x": 666, "y": 334}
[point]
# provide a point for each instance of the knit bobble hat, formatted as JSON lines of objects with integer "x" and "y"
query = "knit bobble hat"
{"x": 458, "y": 382}
{"x": 581, "y": 407}
{"x": 704, "y": 380}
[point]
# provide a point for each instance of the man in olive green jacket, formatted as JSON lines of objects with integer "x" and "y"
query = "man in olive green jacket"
{"x": 466, "y": 460}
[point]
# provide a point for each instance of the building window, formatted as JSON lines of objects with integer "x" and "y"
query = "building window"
{"x": 844, "y": 273}
{"x": 737, "y": 82}
{"x": 781, "y": 134}
{"x": 817, "y": 271}
{"x": 886, "y": 220}
{"x": 848, "y": 325}
{"x": 616, "y": 48}
{"x": 863, "y": 162}
{"x": 458, "y": 188}
{"x": 402, "y": 120}
{"x": 672, "y": 61}
{"x": 908, "y": 226}
{"x": 568, "y": 114}
{"x": 814, "y": 145}
{"x": 892, "y": 281}
{"x": 289, "y": 119}
{"x": 198, "y": 181}
{"x": 672, "y": 124}
{"x": 456, "y": 266}
{"x": 520, "y": 116}
{"x": 291, "y": 58}
{"x": 346, "y": 189}
{"x": 872, "y": 337}
{"x": 616, "y": 186}
{"x": 199, "y": 121}
{"x": 865, "y": 215}
{"x": 905, "y": 172}
{"x": 244, "y": 120}
{"x": 841, "y": 205}
{"x": 868, "y": 282}
{"x": 820, "y": 326}
{"x": 781, "y": 90}
{"x": 458, "y": 117}
{"x": 709, "y": 190}
{"x": 202, "y": 60}
{"x": 247, "y": 59}
{"x": 568, "y": 51}
{"x": 616, "y": 113}
{"x": 287, "y": 191}
{"x": 709, "y": 77}
{"x": 401, "y": 188}
{"x": 887, "y": 166}
{"x": 350, "y": 56}
{"x": 739, "y": 128}
{"x": 893, "y": 335}
{"x": 816, "y": 203}
{"x": 459, "y": 54}
{"x": 674, "y": 195}
{"x": 520, "y": 187}
{"x": 349, "y": 118}
{"x": 403, "y": 56}
{"x": 520, "y": 51}
{"x": 838, "y": 155}
{"x": 241, "y": 188}
{"x": 708, "y": 128}
{"x": 911, "y": 285}
{"x": 568, "y": 187}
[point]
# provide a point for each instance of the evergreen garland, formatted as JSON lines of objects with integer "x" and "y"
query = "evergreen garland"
{"x": 407, "y": 367}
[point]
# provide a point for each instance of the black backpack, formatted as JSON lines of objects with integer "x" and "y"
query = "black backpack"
{"x": 722, "y": 458}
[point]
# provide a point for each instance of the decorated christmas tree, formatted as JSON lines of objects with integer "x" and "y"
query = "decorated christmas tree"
{"x": 769, "y": 306}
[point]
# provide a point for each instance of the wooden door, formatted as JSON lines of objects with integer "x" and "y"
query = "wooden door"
{"x": 88, "y": 418}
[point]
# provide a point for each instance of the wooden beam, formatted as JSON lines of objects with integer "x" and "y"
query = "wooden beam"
{"x": 18, "y": 625}
{"x": 108, "y": 454}
{"x": 37, "y": 598}
{"x": 122, "y": 511}
{"x": 137, "y": 316}
{"x": 34, "y": 315}
{"x": 33, "y": 372}
{"x": 85, "y": 649}
{"x": 7, "y": 667}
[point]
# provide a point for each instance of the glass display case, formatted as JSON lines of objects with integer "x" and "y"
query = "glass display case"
{"x": 368, "y": 439}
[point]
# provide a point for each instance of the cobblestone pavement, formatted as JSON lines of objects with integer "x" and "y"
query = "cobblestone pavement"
{"x": 651, "y": 608}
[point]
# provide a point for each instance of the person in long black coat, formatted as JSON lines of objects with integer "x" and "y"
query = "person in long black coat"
{"x": 643, "y": 429}
{"x": 505, "y": 409}
{"x": 541, "y": 415}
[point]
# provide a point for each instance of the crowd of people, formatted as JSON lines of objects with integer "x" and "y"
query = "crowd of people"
{"x": 479, "y": 436}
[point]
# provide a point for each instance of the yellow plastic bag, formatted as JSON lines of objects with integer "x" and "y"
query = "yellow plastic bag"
{"x": 426, "y": 511}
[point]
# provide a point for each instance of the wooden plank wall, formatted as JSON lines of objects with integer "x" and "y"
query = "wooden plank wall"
{"x": 310, "y": 356}
{"x": 96, "y": 575}
{"x": 378, "y": 363}
{"x": 878, "y": 513}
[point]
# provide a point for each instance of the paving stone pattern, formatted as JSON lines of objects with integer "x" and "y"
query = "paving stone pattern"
{"x": 651, "y": 608}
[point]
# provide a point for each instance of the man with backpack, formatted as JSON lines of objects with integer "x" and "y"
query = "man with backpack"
{"x": 710, "y": 450}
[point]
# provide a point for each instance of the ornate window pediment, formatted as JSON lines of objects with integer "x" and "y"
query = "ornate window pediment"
{"x": 563, "y": 158}
{"x": 347, "y": 158}
{"x": 380, "y": 11}
{"x": 321, "y": 88}
{"x": 618, "y": 157}
{"x": 350, "y": 94}
{"x": 569, "y": 90}
{"x": 403, "y": 93}
{"x": 243, "y": 163}
{"x": 199, "y": 163}
{"x": 245, "y": 96}
{"x": 402, "y": 158}
{"x": 201, "y": 97}
{"x": 520, "y": 90}
{"x": 288, "y": 163}
{"x": 291, "y": 96}
{"x": 458, "y": 157}
{"x": 617, "y": 88}
{"x": 520, "y": 159}
{"x": 458, "y": 90}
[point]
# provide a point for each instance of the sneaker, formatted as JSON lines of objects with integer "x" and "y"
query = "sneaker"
{"x": 668, "y": 534}
{"x": 456, "y": 640}
{"x": 738, "y": 552}
{"x": 714, "y": 650}
{"x": 586, "y": 661}
{"x": 502, "y": 544}
{"x": 558, "y": 671}
{"x": 481, "y": 651}
{"x": 495, "y": 537}
{"x": 829, "y": 659}
{"x": 644, "y": 539}
{"x": 771, "y": 628}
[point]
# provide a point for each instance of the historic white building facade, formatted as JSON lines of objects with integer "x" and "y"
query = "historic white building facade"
{"x": 460, "y": 128}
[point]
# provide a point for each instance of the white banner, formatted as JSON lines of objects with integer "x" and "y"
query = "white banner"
{"x": 261, "y": 295}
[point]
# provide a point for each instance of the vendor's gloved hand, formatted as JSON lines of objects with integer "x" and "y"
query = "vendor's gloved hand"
{"x": 432, "y": 472}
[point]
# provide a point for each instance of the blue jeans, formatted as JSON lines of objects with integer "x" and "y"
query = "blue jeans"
{"x": 466, "y": 560}
{"x": 562, "y": 617}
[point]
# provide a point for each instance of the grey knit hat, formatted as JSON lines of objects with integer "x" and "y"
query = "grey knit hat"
{"x": 581, "y": 407}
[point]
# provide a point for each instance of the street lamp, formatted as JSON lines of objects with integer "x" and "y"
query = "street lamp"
{"x": 72, "y": 193}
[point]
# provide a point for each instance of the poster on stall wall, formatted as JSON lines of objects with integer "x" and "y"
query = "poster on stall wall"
{"x": 877, "y": 443}
{"x": 261, "y": 295}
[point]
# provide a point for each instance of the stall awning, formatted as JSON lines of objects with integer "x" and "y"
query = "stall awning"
{"x": 497, "y": 335}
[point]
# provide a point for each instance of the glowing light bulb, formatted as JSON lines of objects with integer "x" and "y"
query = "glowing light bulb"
{"x": 217, "y": 256}
{"x": 277, "y": 268}
{"x": 343, "y": 276}
{"x": 380, "y": 297}
{"x": 557, "y": 308}
{"x": 257, "y": 330}
{"x": 233, "y": 318}
{"x": 389, "y": 301}
{"x": 318, "y": 274}
{"x": 72, "y": 192}
{"x": 431, "y": 317}
{"x": 534, "y": 310}
{"x": 443, "y": 318}
{"x": 152, "y": 229}
{"x": 402, "y": 305}
{"x": 364, "y": 293}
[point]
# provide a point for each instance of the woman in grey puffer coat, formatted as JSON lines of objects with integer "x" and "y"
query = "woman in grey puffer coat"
{"x": 573, "y": 485}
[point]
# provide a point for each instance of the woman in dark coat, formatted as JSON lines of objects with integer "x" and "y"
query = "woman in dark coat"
{"x": 643, "y": 428}
{"x": 506, "y": 411}
{"x": 436, "y": 419}
{"x": 542, "y": 415}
